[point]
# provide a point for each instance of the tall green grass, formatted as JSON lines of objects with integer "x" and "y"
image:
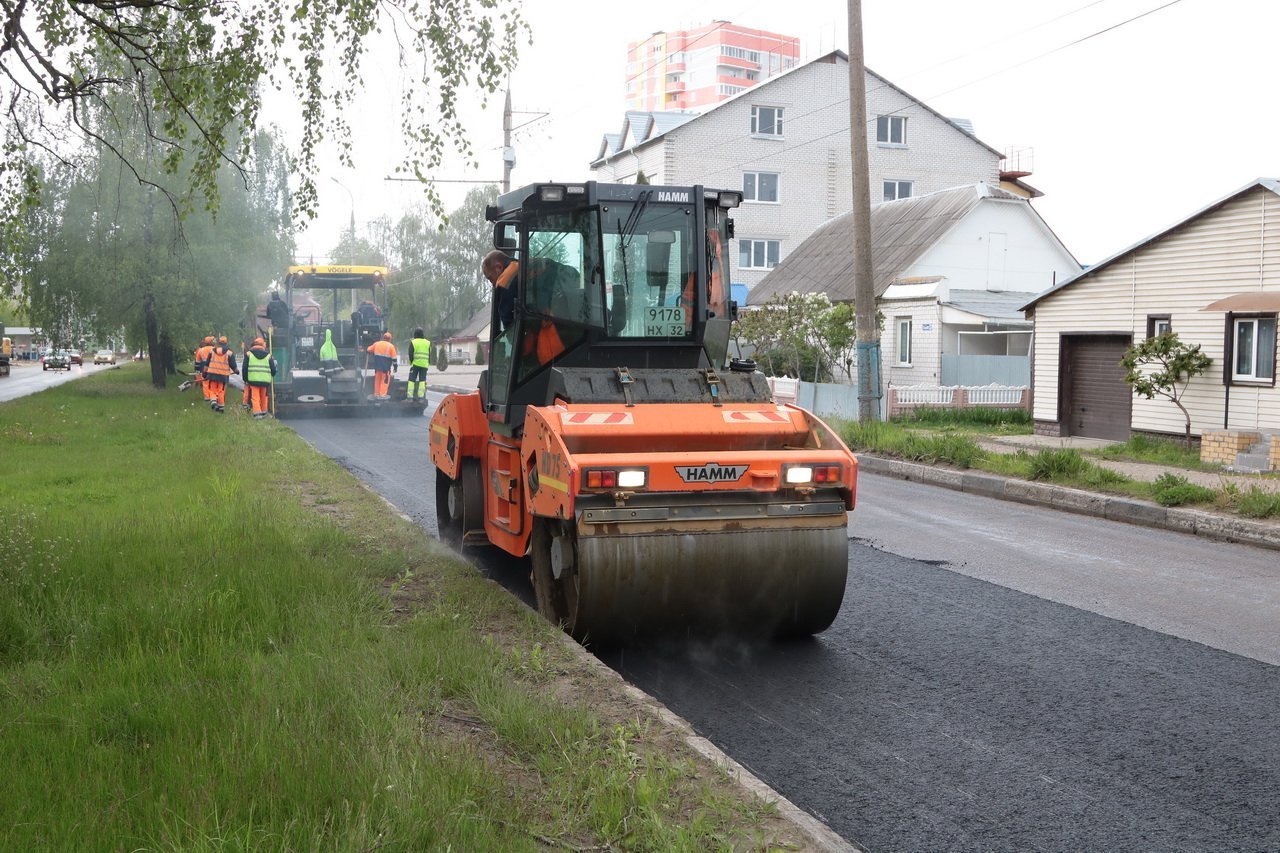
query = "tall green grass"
{"x": 1158, "y": 451}
{"x": 197, "y": 652}
{"x": 978, "y": 418}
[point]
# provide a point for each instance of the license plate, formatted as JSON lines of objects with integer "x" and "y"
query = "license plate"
{"x": 306, "y": 342}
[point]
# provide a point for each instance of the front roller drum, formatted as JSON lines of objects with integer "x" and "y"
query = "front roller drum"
{"x": 609, "y": 587}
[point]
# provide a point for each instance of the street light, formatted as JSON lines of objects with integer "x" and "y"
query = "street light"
{"x": 351, "y": 249}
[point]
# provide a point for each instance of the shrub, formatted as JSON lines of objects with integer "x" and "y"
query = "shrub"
{"x": 1063, "y": 464}
{"x": 1176, "y": 490}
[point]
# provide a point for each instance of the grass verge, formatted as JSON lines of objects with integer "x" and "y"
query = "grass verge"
{"x": 1064, "y": 466}
{"x": 212, "y": 637}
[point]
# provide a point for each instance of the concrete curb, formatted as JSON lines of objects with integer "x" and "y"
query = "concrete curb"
{"x": 1223, "y": 528}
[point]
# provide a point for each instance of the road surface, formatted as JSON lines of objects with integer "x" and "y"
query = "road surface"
{"x": 993, "y": 681}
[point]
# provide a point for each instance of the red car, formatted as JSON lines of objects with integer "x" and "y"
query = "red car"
{"x": 75, "y": 357}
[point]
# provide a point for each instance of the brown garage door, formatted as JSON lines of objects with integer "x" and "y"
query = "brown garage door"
{"x": 1096, "y": 402}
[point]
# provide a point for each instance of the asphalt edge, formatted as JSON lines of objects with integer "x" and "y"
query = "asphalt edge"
{"x": 1221, "y": 528}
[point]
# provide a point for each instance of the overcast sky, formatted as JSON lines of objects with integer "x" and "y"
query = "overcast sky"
{"x": 1139, "y": 112}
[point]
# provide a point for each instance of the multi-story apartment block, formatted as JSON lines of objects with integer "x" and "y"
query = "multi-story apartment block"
{"x": 693, "y": 69}
{"x": 785, "y": 143}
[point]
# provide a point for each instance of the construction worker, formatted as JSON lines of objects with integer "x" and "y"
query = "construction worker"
{"x": 259, "y": 368}
{"x": 202, "y": 364}
{"x": 420, "y": 361}
{"x": 329, "y": 363}
{"x": 543, "y": 344}
{"x": 222, "y": 363}
{"x": 384, "y": 363}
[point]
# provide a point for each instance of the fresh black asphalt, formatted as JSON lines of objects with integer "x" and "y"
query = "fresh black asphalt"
{"x": 942, "y": 712}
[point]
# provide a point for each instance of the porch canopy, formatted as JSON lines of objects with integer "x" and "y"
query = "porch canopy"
{"x": 1255, "y": 300}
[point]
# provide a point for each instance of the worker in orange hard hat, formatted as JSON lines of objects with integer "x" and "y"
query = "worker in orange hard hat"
{"x": 259, "y": 370}
{"x": 202, "y": 364}
{"x": 384, "y": 363}
{"x": 222, "y": 363}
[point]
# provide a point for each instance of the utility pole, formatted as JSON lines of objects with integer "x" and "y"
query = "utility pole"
{"x": 864, "y": 291}
{"x": 508, "y": 153}
{"x": 351, "y": 247}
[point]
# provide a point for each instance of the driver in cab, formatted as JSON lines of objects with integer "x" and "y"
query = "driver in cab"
{"x": 502, "y": 272}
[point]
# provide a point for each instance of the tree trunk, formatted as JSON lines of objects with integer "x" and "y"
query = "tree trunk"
{"x": 166, "y": 354}
{"x": 153, "y": 341}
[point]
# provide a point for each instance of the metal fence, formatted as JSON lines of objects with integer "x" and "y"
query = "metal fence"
{"x": 986, "y": 370}
{"x": 824, "y": 399}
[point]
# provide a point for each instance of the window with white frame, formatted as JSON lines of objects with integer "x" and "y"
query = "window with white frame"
{"x": 1253, "y": 349}
{"x": 766, "y": 121}
{"x": 758, "y": 254}
{"x": 891, "y": 130}
{"x": 759, "y": 186}
{"x": 903, "y": 325}
{"x": 894, "y": 190}
{"x": 1159, "y": 324}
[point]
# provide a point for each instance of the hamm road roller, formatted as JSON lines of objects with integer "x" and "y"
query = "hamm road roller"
{"x": 655, "y": 488}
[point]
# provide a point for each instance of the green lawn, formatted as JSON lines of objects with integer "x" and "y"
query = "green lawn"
{"x": 211, "y": 637}
{"x": 1066, "y": 467}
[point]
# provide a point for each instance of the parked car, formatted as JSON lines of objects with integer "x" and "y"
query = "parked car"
{"x": 104, "y": 356}
{"x": 74, "y": 356}
{"x": 56, "y": 360}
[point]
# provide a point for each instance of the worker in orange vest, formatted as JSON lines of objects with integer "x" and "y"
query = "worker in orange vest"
{"x": 202, "y": 364}
{"x": 222, "y": 363}
{"x": 384, "y": 363}
{"x": 544, "y": 343}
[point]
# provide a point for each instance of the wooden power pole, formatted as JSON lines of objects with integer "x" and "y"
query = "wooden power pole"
{"x": 864, "y": 291}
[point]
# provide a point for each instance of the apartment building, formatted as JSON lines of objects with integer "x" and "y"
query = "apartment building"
{"x": 693, "y": 69}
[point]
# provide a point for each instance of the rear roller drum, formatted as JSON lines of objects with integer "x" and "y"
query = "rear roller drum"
{"x": 459, "y": 504}
{"x": 553, "y": 551}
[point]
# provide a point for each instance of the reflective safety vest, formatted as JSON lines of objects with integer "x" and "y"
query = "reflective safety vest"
{"x": 219, "y": 362}
{"x": 259, "y": 369}
{"x": 421, "y": 348}
{"x": 328, "y": 352}
{"x": 202, "y": 357}
{"x": 384, "y": 355}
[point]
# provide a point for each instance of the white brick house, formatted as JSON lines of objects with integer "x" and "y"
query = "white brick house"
{"x": 785, "y": 142}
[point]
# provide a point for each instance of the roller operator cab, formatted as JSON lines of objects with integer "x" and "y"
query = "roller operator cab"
{"x": 655, "y": 488}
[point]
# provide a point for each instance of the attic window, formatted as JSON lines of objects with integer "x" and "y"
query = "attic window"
{"x": 891, "y": 130}
{"x": 766, "y": 121}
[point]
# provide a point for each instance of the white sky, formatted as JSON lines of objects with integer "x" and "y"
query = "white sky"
{"x": 1132, "y": 130}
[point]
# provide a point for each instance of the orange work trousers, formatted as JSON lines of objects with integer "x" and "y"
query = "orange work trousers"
{"x": 206, "y": 388}
{"x": 217, "y": 391}
{"x": 257, "y": 398}
{"x": 244, "y": 398}
{"x": 381, "y": 383}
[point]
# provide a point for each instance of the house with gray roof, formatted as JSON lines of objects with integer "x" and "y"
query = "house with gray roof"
{"x": 785, "y": 144}
{"x": 1213, "y": 278}
{"x": 951, "y": 270}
